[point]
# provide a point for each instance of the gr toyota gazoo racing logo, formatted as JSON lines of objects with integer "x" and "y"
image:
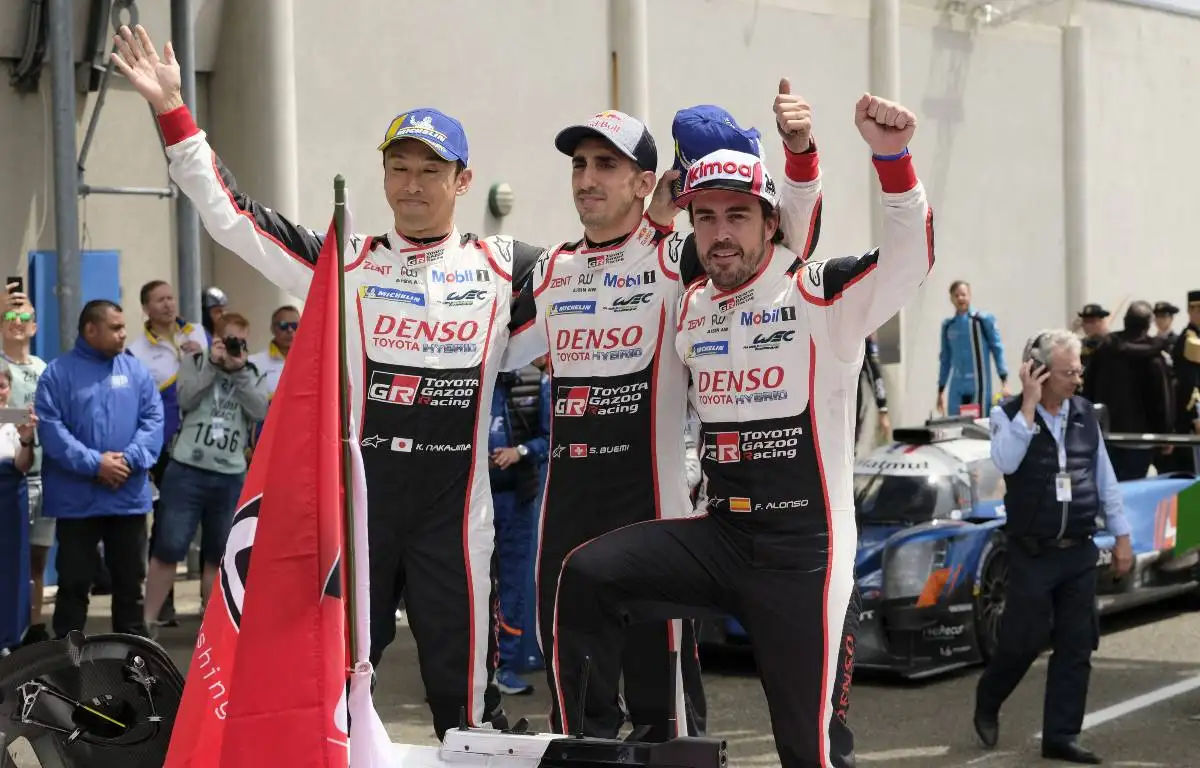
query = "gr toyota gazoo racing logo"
{"x": 598, "y": 260}
{"x": 752, "y": 445}
{"x": 437, "y": 337}
{"x": 617, "y": 280}
{"x": 752, "y": 385}
{"x": 768, "y": 316}
{"x": 408, "y": 389}
{"x": 735, "y": 301}
{"x": 428, "y": 257}
{"x": 586, "y": 344}
{"x": 572, "y": 401}
{"x": 398, "y": 388}
{"x": 773, "y": 340}
{"x": 600, "y": 401}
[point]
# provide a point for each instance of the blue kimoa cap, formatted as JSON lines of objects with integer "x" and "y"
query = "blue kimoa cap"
{"x": 704, "y": 129}
{"x": 437, "y": 130}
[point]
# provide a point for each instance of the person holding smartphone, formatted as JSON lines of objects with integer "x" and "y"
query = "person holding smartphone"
{"x": 18, "y": 325}
{"x": 16, "y": 459}
{"x": 222, "y": 396}
{"x": 1058, "y": 482}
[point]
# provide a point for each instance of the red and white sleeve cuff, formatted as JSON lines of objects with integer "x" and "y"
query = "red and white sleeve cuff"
{"x": 177, "y": 125}
{"x": 802, "y": 167}
{"x": 896, "y": 176}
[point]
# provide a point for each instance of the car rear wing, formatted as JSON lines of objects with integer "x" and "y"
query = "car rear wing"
{"x": 1142, "y": 439}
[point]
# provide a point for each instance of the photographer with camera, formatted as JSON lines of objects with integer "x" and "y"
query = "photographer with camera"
{"x": 1058, "y": 480}
{"x": 222, "y": 396}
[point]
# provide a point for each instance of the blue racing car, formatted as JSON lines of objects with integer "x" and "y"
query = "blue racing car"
{"x": 932, "y": 564}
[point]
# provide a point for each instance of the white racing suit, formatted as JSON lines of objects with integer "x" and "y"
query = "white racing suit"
{"x": 606, "y": 314}
{"x": 427, "y": 324}
{"x": 774, "y": 366}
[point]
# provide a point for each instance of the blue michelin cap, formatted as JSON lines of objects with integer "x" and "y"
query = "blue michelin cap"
{"x": 704, "y": 129}
{"x": 437, "y": 130}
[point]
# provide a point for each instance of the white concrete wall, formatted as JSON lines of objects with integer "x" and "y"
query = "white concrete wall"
{"x": 1144, "y": 211}
{"x": 989, "y": 148}
{"x": 126, "y": 151}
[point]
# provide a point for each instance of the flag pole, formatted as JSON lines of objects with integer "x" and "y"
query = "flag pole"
{"x": 339, "y": 223}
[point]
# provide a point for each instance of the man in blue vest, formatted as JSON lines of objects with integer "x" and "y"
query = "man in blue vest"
{"x": 970, "y": 341}
{"x": 1060, "y": 489}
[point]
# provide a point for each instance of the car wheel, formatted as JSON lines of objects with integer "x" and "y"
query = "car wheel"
{"x": 989, "y": 602}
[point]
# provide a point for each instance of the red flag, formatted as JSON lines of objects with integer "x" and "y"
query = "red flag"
{"x": 267, "y": 683}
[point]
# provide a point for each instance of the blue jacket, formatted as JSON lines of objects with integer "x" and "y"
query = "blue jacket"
{"x": 87, "y": 404}
{"x": 969, "y": 343}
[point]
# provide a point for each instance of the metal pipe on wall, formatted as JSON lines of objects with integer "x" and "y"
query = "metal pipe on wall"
{"x": 66, "y": 200}
{"x": 884, "y": 47}
{"x": 187, "y": 222}
{"x": 1075, "y": 175}
{"x": 630, "y": 43}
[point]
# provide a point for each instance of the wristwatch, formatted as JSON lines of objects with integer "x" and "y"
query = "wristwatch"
{"x": 523, "y": 451}
{"x": 27, "y": 445}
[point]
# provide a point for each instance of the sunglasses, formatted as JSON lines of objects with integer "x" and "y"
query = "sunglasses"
{"x": 24, "y": 317}
{"x": 289, "y": 326}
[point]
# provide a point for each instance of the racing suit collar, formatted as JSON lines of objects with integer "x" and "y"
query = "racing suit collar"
{"x": 423, "y": 250}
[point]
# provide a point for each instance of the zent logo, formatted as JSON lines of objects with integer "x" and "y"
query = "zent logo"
{"x": 398, "y": 388}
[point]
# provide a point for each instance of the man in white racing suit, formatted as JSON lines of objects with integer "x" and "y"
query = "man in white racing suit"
{"x": 428, "y": 310}
{"x": 604, "y": 307}
{"x": 775, "y": 544}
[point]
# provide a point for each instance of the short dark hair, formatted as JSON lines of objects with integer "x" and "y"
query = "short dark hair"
{"x": 285, "y": 308}
{"x": 954, "y": 286}
{"x": 149, "y": 288}
{"x": 94, "y": 311}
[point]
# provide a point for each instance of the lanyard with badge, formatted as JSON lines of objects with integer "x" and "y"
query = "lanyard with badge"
{"x": 1062, "y": 481}
{"x": 219, "y": 403}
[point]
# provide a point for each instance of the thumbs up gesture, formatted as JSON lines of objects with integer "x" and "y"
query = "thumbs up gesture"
{"x": 793, "y": 117}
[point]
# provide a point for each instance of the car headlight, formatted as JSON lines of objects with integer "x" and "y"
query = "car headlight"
{"x": 908, "y": 567}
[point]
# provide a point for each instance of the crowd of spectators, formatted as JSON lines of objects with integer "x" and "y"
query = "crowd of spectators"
{"x": 121, "y": 450}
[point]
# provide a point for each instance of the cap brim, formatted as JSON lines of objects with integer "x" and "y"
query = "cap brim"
{"x": 568, "y": 140}
{"x": 438, "y": 150}
{"x": 685, "y": 199}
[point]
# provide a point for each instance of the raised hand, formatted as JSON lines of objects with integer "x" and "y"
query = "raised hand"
{"x": 662, "y": 210}
{"x": 886, "y": 126}
{"x": 156, "y": 79}
{"x": 793, "y": 117}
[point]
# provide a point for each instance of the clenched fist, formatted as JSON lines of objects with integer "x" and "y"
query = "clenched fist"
{"x": 886, "y": 126}
{"x": 793, "y": 117}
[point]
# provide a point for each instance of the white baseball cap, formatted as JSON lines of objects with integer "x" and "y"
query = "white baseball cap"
{"x": 731, "y": 170}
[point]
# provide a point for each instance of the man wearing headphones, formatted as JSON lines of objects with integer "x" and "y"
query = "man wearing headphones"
{"x": 1058, "y": 478}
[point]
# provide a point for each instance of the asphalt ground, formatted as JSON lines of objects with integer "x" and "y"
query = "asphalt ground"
{"x": 1145, "y": 687}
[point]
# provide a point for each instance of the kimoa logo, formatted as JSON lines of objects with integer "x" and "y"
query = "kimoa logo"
{"x": 724, "y": 168}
